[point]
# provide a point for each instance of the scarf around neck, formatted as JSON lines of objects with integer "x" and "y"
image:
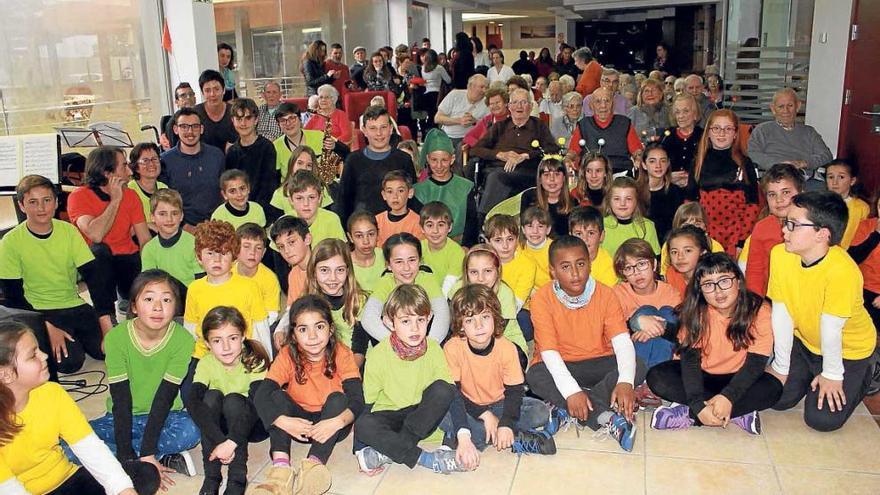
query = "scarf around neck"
{"x": 575, "y": 302}
{"x": 406, "y": 352}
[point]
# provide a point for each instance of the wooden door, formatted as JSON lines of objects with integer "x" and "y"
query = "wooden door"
{"x": 860, "y": 119}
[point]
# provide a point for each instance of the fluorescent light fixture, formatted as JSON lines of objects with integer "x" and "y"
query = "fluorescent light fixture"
{"x": 311, "y": 30}
{"x": 481, "y": 16}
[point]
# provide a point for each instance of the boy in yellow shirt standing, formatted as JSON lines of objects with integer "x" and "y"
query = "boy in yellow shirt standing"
{"x": 253, "y": 247}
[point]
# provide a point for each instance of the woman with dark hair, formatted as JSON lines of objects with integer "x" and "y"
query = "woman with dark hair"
{"x": 226, "y": 60}
{"x": 106, "y": 212}
{"x": 481, "y": 58}
{"x": 463, "y": 63}
{"x": 435, "y": 76}
{"x": 313, "y": 68}
{"x": 545, "y": 63}
{"x": 525, "y": 66}
{"x": 665, "y": 62}
{"x": 378, "y": 76}
{"x": 724, "y": 341}
{"x": 145, "y": 170}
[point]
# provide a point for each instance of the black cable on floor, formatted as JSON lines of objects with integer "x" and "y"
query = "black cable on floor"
{"x": 74, "y": 385}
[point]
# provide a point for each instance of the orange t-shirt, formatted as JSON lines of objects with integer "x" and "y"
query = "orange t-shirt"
{"x": 665, "y": 295}
{"x": 676, "y": 280}
{"x": 718, "y": 356}
{"x": 312, "y": 394}
{"x": 483, "y": 378}
{"x": 577, "y": 334}
{"x": 870, "y": 267}
{"x": 84, "y": 202}
{"x": 296, "y": 284}
{"x": 766, "y": 234}
{"x": 387, "y": 228}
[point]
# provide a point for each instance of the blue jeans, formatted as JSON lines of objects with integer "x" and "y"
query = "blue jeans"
{"x": 533, "y": 413}
{"x": 178, "y": 434}
{"x": 658, "y": 349}
{"x": 524, "y": 318}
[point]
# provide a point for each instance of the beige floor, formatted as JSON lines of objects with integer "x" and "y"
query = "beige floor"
{"x": 788, "y": 459}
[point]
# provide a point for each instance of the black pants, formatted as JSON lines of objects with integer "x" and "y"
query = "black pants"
{"x": 665, "y": 380}
{"x": 115, "y": 272}
{"x": 144, "y": 477}
{"x": 397, "y": 433}
{"x": 81, "y": 323}
{"x": 429, "y": 106}
{"x": 279, "y": 440}
{"x": 597, "y": 374}
{"x": 501, "y": 185}
{"x": 236, "y": 416}
{"x": 804, "y": 367}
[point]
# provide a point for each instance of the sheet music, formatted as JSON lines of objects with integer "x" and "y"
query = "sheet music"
{"x": 39, "y": 155}
{"x": 8, "y": 161}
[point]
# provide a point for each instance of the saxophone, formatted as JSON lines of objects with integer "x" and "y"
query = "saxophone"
{"x": 329, "y": 163}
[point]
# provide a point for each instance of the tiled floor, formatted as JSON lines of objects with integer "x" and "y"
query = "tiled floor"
{"x": 787, "y": 459}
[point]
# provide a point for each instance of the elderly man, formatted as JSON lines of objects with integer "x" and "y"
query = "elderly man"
{"x": 620, "y": 141}
{"x": 460, "y": 110}
{"x": 357, "y": 68}
{"x": 611, "y": 81}
{"x": 563, "y": 126}
{"x": 551, "y": 104}
{"x": 509, "y": 157}
{"x": 267, "y": 126}
{"x": 787, "y": 141}
{"x": 694, "y": 85}
{"x": 591, "y": 71}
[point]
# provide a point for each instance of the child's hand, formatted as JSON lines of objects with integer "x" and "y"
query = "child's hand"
{"x": 58, "y": 341}
{"x": 165, "y": 481}
{"x": 278, "y": 339}
{"x": 875, "y": 302}
{"x": 490, "y": 422}
{"x": 680, "y": 178}
{"x": 128, "y": 491}
{"x": 579, "y": 405}
{"x": 721, "y": 408}
{"x": 625, "y": 397}
{"x": 503, "y": 438}
{"x": 832, "y": 390}
{"x": 707, "y": 417}
{"x": 295, "y": 427}
{"x": 322, "y": 430}
{"x": 640, "y": 337}
{"x": 653, "y": 326}
{"x": 467, "y": 455}
{"x": 224, "y": 451}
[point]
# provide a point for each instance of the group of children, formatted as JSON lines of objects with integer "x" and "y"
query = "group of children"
{"x": 572, "y": 314}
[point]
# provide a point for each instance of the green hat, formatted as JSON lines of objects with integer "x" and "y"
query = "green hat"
{"x": 436, "y": 140}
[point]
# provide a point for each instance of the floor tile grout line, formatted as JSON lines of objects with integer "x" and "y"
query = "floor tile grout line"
{"x": 513, "y": 478}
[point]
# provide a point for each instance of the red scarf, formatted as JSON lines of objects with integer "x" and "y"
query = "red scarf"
{"x": 407, "y": 352}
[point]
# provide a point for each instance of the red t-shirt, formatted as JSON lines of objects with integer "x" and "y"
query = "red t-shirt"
{"x": 766, "y": 234}
{"x": 84, "y": 202}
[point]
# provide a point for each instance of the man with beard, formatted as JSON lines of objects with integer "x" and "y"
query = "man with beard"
{"x": 620, "y": 141}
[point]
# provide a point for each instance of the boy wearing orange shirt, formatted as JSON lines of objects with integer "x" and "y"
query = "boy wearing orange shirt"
{"x": 397, "y": 190}
{"x": 581, "y": 341}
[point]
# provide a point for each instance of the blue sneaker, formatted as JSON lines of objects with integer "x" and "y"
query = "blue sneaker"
{"x": 674, "y": 417}
{"x": 443, "y": 461}
{"x": 533, "y": 442}
{"x": 622, "y": 430}
{"x": 371, "y": 461}
{"x": 559, "y": 420}
{"x": 750, "y": 422}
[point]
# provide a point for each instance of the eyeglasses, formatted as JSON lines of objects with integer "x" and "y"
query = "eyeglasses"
{"x": 188, "y": 94}
{"x": 145, "y": 161}
{"x": 720, "y": 284}
{"x": 188, "y": 127}
{"x": 640, "y": 266}
{"x": 722, "y": 130}
{"x": 519, "y": 103}
{"x": 288, "y": 120}
{"x": 790, "y": 225}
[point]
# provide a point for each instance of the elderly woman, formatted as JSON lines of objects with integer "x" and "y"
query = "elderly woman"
{"x": 340, "y": 126}
{"x": 650, "y": 116}
{"x": 681, "y": 140}
{"x": 572, "y": 110}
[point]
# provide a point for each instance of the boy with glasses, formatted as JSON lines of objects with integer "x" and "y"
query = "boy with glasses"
{"x": 293, "y": 138}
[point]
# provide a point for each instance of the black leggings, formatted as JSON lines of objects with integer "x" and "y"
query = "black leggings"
{"x": 664, "y": 379}
{"x": 279, "y": 440}
{"x": 81, "y": 323}
{"x": 144, "y": 477}
{"x": 236, "y": 415}
{"x": 115, "y": 274}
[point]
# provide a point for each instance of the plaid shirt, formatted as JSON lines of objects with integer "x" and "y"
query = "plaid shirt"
{"x": 267, "y": 126}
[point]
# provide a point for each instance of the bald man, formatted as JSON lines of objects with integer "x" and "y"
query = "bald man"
{"x": 785, "y": 140}
{"x": 694, "y": 85}
{"x": 620, "y": 141}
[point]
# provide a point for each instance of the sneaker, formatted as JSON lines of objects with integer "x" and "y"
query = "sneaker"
{"x": 313, "y": 478}
{"x": 182, "y": 463}
{"x": 623, "y": 431}
{"x": 534, "y": 442}
{"x": 646, "y": 399}
{"x": 559, "y": 420}
{"x": 444, "y": 461}
{"x": 371, "y": 461}
{"x": 674, "y": 417}
{"x": 750, "y": 422}
{"x": 279, "y": 481}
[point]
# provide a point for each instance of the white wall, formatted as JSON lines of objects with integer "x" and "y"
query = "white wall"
{"x": 193, "y": 41}
{"x": 831, "y": 23}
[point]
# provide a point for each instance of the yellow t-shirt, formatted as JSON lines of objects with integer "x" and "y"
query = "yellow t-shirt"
{"x": 239, "y": 292}
{"x": 270, "y": 289}
{"x": 541, "y": 257}
{"x": 34, "y": 456}
{"x": 602, "y": 268}
{"x": 519, "y": 275}
{"x": 834, "y": 287}
{"x": 858, "y": 211}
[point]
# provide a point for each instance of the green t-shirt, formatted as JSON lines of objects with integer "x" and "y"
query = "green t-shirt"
{"x": 453, "y": 194}
{"x": 252, "y": 214}
{"x": 368, "y": 276}
{"x": 344, "y": 331}
{"x": 211, "y": 373}
{"x": 176, "y": 255}
{"x": 507, "y": 300}
{"x": 312, "y": 139}
{"x": 387, "y": 284}
{"x": 144, "y": 196}
{"x": 617, "y": 233}
{"x": 391, "y": 384}
{"x": 47, "y": 267}
{"x": 280, "y": 201}
{"x": 446, "y": 263}
{"x": 145, "y": 369}
{"x": 326, "y": 225}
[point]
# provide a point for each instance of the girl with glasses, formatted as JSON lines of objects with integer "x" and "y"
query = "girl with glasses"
{"x": 724, "y": 342}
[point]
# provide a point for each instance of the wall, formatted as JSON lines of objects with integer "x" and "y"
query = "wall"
{"x": 827, "y": 67}
{"x": 511, "y": 34}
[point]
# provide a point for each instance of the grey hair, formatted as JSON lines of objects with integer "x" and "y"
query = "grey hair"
{"x": 583, "y": 53}
{"x": 571, "y": 95}
{"x": 610, "y": 72}
{"x": 329, "y": 90}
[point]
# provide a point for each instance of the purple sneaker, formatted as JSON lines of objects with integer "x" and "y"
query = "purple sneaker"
{"x": 750, "y": 422}
{"x": 674, "y": 417}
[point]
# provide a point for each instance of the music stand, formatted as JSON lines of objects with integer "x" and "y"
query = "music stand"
{"x": 100, "y": 134}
